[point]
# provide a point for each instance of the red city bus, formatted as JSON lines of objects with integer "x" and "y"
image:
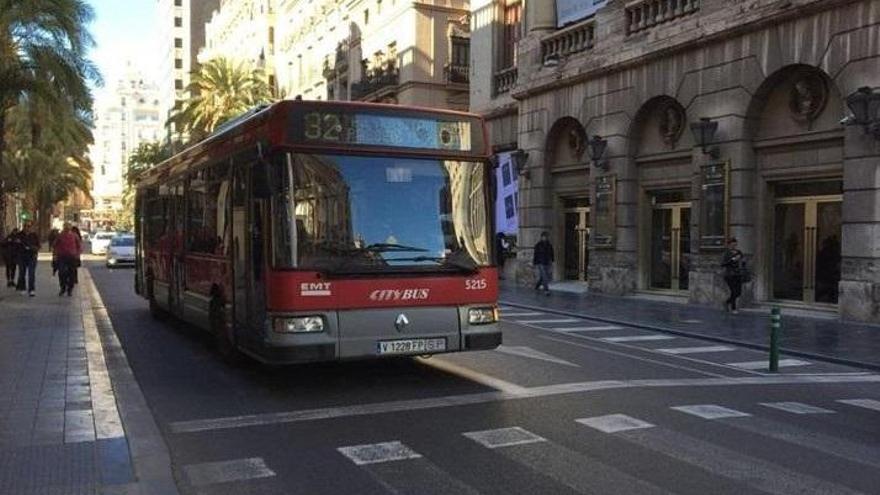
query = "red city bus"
{"x": 315, "y": 231}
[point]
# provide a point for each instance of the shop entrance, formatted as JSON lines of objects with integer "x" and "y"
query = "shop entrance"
{"x": 577, "y": 238}
{"x": 806, "y": 241}
{"x": 670, "y": 241}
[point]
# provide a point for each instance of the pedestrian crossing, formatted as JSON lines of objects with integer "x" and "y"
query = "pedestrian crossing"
{"x": 685, "y": 347}
{"x": 568, "y": 459}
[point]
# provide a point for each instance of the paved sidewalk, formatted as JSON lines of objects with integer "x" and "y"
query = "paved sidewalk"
{"x": 826, "y": 339}
{"x": 62, "y": 385}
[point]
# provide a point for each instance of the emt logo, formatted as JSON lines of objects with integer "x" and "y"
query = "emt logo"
{"x": 315, "y": 289}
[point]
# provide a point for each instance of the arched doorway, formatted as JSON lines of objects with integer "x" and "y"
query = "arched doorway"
{"x": 798, "y": 145}
{"x": 661, "y": 150}
{"x": 569, "y": 177}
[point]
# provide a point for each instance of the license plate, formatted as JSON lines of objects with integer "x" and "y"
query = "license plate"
{"x": 412, "y": 346}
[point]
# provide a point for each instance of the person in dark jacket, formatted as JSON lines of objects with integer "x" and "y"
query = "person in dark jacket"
{"x": 733, "y": 263}
{"x": 10, "y": 256}
{"x": 543, "y": 260}
{"x": 27, "y": 263}
{"x": 500, "y": 253}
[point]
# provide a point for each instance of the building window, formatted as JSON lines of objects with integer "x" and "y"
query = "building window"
{"x": 178, "y": 43}
{"x": 509, "y": 207}
{"x": 178, "y": 3}
{"x": 178, "y": 22}
{"x": 510, "y": 34}
{"x": 461, "y": 51}
{"x": 366, "y": 16}
{"x": 505, "y": 174}
{"x": 378, "y": 7}
{"x": 178, "y": 84}
{"x": 178, "y": 63}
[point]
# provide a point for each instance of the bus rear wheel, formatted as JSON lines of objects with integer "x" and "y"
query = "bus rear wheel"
{"x": 223, "y": 341}
{"x": 155, "y": 310}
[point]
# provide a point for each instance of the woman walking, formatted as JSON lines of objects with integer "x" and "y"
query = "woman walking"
{"x": 66, "y": 249}
{"x": 733, "y": 263}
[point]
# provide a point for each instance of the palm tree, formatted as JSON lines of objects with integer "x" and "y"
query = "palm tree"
{"x": 221, "y": 90}
{"x": 43, "y": 45}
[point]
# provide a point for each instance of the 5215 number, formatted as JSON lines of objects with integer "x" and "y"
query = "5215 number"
{"x": 323, "y": 126}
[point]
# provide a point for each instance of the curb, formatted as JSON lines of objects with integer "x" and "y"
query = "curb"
{"x": 149, "y": 453}
{"x": 710, "y": 338}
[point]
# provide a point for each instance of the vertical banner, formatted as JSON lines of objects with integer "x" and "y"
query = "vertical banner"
{"x": 570, "y": 11}
{"x": 507, "y": 197}
{"x": 714, "y": 207}
{"x": 603, "y": 234}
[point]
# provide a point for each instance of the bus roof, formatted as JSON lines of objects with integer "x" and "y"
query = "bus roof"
{"x": 344, "y": 126}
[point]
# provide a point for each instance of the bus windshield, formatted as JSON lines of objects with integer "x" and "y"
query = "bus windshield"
{"x": 355, "y": 214}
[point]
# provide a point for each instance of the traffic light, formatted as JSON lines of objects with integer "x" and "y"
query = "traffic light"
{"x": 25, "y": 216}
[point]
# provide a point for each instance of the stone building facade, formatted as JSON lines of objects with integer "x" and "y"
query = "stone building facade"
{"x": 655, "y": 129}
{"x": 411, "y": 53}
{"x": 244, "y": 32}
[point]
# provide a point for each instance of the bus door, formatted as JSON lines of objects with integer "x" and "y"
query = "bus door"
{"x": 249, "y": 206}
{"x": 177, "y": 283}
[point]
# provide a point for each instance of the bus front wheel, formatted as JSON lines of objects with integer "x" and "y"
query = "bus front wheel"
{"x": 222, "y": 338}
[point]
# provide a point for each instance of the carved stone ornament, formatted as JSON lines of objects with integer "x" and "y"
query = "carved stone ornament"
{"x": 808, "y": 96}
{"x": 672, "y": 118}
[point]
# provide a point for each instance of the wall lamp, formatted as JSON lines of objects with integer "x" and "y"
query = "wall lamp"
{"x": 864, "y": 104}
{"x": 704, "y": 135}
{"x": 596, "y": 147}
{"x": 520, "y": 159}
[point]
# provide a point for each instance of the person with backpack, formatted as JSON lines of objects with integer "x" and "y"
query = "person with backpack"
{"x": 735, "y": 273}
{"x": 543, "y": 260}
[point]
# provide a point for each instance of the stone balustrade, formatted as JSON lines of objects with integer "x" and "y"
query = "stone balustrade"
{"x": 570, "y": 40}
{"x": 645, "y": 14}
{"x": 504, "y": 80}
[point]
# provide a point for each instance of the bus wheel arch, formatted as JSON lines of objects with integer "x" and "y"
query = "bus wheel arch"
{"x": 224, "y": 340}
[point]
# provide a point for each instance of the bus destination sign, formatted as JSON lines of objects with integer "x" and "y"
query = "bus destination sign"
{"x": 374, "y": 129}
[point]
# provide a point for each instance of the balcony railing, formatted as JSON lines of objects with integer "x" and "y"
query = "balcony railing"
{"x": 456, "y": 73}
{"x": 504, "y": 80}
{"x": 376, "y": 79}
{"x": 575, "y": 39}
{"x": 645, "y": 14}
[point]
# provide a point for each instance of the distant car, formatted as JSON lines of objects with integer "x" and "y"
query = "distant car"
{"x": 120, "y": 251}
{"x": 101, "y": 241}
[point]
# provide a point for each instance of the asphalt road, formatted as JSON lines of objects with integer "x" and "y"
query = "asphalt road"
{"x": 565, "y": 406}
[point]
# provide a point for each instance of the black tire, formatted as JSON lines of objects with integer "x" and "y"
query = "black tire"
{"x": 155, "y": 310}
{"x": 223, "y": 340}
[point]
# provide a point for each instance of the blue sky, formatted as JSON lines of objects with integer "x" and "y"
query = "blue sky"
{"x": 124, "y": 30}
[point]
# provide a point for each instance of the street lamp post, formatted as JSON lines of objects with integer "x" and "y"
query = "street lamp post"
{"x": 596, "y": 147}
{"x": 704, "y": 135}
{"x": 864, "y": 103}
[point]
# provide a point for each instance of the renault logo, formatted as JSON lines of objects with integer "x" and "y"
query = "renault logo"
{"x": 401, "y": 322}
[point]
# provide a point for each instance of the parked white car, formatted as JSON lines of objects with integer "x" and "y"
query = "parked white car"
{"x": 120, "y": 251}
{"x": 100, "y": 242}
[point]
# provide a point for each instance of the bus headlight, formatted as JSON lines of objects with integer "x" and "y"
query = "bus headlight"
{"x": 299, "y": 324}
{"x": 482, "y": 316}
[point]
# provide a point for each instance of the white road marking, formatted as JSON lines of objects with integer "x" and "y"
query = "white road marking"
{"x": 376, "y": 453}
{"x": 614, "y": 423}
{"x": 553, "y": 320}
{"x": 865, "y": 403}
{"x": 505, "y": 314}
{"x": 711, "y": 411}
{"x": 691, "y": 321}
{"x": 638, "y": 338}
{"x": 79, "y": 426}
{"x": 697, "y": 350}
{"x": 209, "y": 473}
{"x": 305, "y": 415}
{"x": 759, "y": 473}
{"x": 528, "y": 352}
{"x": 797, "y": 408}
{"x": 106, "y": 416}
{"x": 474, "y": 376}
{"x": 504, "y": 437}
{"x": 758, "y": 365}
{"x": 586, "y": 329}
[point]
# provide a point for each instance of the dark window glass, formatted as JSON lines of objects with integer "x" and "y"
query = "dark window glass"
{"x": 813, "y": 188}
{"x": 372, "y": 214}
{"x": 207, "y": 229}
{"x": 178, "y": 63}
{"x": 510, "y": 34}
{"x": 178, "y": 43}
{"x": 178, "y": 84}
{"x": 505, "y": 174}
{"x": 461, "y": 51}
{"x": 178, "y": 22}
{"x": 178, "y": 3}
{"x": 126, "y": 241}
{"x": 509, "y": 207}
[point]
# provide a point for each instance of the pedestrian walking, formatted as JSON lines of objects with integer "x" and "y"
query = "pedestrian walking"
{"x": 27, "y": 263}
{"x": 501, "y": 247}
{"x": 543, "y": 260}
{"x": 733, "y": 263}
{"x": 67, "y": 248}
{"x": 10, "y": 248}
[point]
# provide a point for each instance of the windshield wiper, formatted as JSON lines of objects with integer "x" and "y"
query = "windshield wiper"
{"x": 381, "y": 247}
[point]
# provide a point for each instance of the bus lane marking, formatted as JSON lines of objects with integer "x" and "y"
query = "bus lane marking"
{"x": 209, "y": 473}
{"x": 528, "y": 352}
